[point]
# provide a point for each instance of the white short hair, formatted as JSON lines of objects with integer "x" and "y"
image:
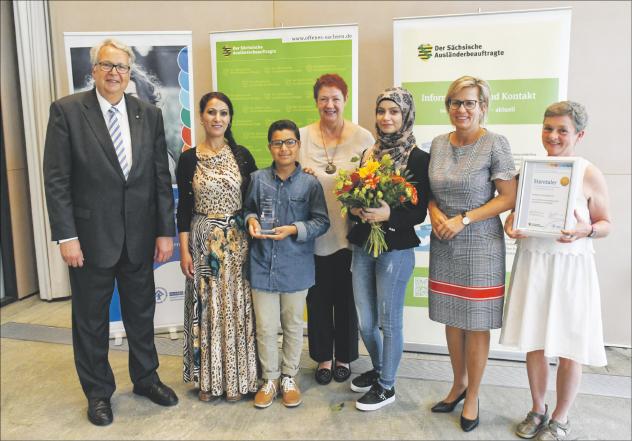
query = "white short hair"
{"x": 94, "y": 51}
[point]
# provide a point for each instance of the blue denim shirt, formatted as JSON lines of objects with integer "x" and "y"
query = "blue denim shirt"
{"x": 286, "y": 265}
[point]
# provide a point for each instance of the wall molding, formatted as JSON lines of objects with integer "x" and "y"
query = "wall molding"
{"x": 37, "y": 88}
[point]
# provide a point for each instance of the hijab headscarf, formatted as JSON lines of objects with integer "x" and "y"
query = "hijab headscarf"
{"x": 398, "y": 144}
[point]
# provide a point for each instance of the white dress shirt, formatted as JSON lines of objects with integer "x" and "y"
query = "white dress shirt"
{"x": 123, "y": 123}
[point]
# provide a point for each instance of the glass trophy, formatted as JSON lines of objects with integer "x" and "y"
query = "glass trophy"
{"x": 267, "y": 218}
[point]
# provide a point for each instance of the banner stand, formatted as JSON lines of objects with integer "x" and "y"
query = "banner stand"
{"x": 524, "y": 57}
{"x": 269, "y": 75}
{"x": 162, "y": 76}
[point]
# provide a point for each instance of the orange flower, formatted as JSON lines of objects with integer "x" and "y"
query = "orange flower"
{"x": 397, "y": 179}
{"x": 414, "y": 199}
{"x": 371, "y": 182}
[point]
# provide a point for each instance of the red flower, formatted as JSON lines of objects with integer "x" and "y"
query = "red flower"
{"x": 355, "y": 177}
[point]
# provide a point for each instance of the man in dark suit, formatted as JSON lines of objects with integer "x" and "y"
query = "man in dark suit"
{"x": 110, "y": 207}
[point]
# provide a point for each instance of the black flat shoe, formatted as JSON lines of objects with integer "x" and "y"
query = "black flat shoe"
{"x": 100, "y": 411}
{"x": 469, "y": 425}
{"x": 445, "y": 407}
{"x": 159, "y": 393}
{"x": 341, "y": 373}
{"x": 323, "y": 376}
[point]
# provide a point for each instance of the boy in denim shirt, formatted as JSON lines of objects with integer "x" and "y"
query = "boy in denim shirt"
{"x": 282, "y": 261}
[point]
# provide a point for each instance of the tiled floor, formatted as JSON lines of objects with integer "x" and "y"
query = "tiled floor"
{"x": 41, "y": 397}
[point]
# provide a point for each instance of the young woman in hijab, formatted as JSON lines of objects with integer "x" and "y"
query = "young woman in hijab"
{"x": 379, "y": 283}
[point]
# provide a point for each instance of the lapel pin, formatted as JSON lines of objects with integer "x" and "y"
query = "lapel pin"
{"x": 137, "y": 116}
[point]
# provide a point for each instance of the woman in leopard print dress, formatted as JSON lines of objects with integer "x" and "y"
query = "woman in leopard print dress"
{"x": 219, "y": 333}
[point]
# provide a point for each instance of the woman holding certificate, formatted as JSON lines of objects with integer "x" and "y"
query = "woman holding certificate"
{"x": 472, "y": 181}
{"x": 553, "y": 306}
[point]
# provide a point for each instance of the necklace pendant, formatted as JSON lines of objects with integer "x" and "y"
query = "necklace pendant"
{"x": 330, "y": 169}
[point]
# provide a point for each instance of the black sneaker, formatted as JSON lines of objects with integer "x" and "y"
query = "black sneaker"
{"x": 363, "y": 382}
{"x": 375, "y": 398}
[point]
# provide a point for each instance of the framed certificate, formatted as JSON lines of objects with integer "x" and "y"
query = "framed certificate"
{"x": 547, "y": 188}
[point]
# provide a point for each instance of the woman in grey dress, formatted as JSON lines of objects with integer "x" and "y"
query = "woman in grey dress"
{"x": 467, "y": 249}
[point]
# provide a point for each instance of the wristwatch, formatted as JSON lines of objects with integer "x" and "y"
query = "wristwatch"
{"x": 466, "y": 220}
{"x": 593, "y": 231}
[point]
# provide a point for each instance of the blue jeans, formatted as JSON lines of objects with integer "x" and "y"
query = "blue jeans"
{"x": 379, "y": 286}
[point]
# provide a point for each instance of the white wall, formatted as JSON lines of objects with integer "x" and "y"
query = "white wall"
{"x": 599, "y": 77}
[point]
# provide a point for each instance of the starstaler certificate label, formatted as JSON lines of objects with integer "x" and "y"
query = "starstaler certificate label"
{"x": 545, "y": 197}
{"x": 549, "y": 191}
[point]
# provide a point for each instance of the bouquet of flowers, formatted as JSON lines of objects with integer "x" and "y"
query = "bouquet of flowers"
{"x": 366, "y": 186}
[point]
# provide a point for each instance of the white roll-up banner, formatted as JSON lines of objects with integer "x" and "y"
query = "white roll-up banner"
{"x": 524, "y": 57}
{"x": 163, "y": 76}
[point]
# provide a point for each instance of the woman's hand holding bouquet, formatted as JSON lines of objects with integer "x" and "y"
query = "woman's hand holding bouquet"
{"x": 371, "y": 187}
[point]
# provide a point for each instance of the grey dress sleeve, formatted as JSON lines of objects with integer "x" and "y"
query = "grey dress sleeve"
{"x": 502, "y": 162}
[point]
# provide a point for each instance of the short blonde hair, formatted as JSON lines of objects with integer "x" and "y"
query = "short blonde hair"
{"x": 575, "y": 111}
{"x": 94, "y": 51}
{"x": 468, "y": 81}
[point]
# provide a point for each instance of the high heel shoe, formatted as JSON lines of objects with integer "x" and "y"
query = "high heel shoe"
{"x": 469, "y": 425}
{"x": 445, "y": 407}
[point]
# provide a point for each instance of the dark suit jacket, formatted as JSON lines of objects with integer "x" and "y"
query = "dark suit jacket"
{"x": 86, "y": 192}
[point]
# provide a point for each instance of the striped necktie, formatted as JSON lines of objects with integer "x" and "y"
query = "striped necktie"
{"x": 117, "y": 139}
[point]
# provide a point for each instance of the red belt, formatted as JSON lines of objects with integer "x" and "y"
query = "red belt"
{"x": 467, "y": 292}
